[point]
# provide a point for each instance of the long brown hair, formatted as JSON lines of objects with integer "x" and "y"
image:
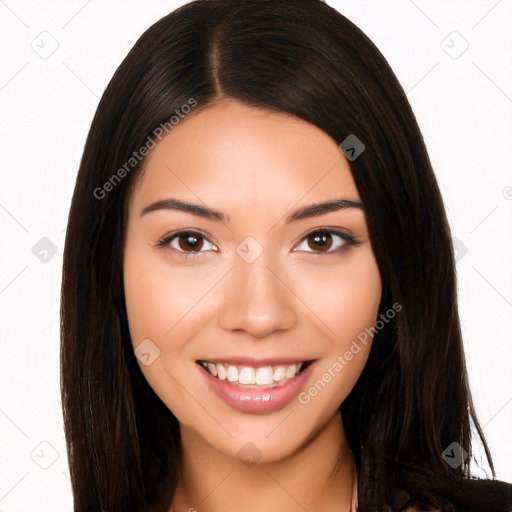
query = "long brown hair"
{"x": 309, "y": 61}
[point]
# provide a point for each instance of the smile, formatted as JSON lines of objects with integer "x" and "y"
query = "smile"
{"x": 254, "y": 377}
{"x": 257, "y": 389}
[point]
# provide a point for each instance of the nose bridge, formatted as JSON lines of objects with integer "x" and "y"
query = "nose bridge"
{"x": 255, "y": 299}
{"x": 256, "y": 278}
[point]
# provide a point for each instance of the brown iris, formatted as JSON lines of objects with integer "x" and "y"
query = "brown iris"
{"x": 320, "y": 241}
{"x": 190, "y": 242}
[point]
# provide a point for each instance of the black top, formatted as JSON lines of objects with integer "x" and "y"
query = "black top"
{"x": 452, "y": 494}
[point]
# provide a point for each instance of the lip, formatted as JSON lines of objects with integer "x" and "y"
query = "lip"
{"x": 257, "y": 401}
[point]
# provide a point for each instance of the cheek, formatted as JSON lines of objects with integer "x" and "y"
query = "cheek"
{"x": 147, "y": 299}
{"x": 159, "y": 299}
{"x": 164, "y": 306}
{"x": 345, "y": 297}
{"x": 346, "y": 300}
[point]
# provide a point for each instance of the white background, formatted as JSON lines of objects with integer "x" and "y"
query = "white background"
{"x": 463, "y": 106}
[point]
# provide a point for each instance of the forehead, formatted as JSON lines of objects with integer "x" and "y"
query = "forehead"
{"x": 230, "y": 153}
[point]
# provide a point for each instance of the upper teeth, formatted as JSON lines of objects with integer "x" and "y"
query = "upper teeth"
{"x": 263, "y": 375}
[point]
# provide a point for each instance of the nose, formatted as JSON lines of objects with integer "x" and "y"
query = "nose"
{"x": 256, "y": 299}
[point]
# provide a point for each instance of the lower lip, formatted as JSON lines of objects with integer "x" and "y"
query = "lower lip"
{"x": 257, "y": 401}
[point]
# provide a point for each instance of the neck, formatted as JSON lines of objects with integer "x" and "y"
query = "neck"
{"x": 320, "y": 475}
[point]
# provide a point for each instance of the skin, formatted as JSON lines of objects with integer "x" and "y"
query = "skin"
{"x": 257, "y": 167}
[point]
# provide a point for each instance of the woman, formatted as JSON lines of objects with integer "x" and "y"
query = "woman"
{"x": 259, "y": 291}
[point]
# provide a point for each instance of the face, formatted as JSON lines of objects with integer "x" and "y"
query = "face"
{"x": 250, "y": 305}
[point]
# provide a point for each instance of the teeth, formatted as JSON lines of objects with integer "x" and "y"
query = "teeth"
{"x": 265, "y": 376}
{"x": 212, "y": 369}
{"x": 290, "y": 371}
{"x": 232, "y": 373}
{"x": 247, "y": 376}
{"x": 279, "y": 373}
{"x": 221, "y": 372}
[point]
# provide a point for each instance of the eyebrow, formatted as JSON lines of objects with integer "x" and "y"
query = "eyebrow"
{"x": 305, "y": 212}
{"x": 314, "y": 210}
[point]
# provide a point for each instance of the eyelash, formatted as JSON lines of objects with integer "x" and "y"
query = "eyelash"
{"x": 164, "y": 242}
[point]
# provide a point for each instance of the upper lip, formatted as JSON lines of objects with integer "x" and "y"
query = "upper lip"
{"x": 255, "y": 362}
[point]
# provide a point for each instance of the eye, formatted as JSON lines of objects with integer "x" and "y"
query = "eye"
{"x": 191, "y": 242}
{"x": 326, "y": 241}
